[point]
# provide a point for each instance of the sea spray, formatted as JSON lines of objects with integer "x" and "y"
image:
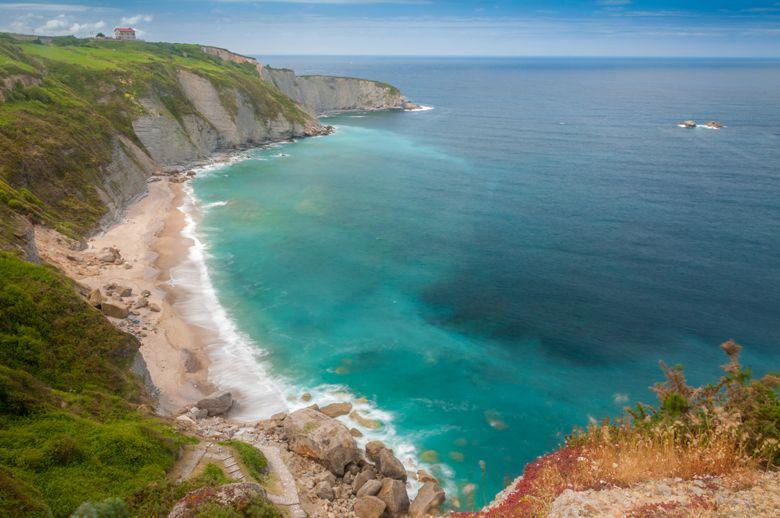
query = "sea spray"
{"x": 239, "y": 364}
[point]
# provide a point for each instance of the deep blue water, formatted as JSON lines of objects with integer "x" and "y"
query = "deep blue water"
{"x": 518, "y": 259}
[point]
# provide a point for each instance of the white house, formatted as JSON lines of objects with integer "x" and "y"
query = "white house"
{"x": 124, "y": 33}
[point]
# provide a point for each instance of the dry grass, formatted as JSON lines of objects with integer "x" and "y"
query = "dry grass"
{"x": 727, "y": 429}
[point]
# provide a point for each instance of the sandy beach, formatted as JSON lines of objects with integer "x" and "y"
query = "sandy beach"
{"x": 150, "y": 244}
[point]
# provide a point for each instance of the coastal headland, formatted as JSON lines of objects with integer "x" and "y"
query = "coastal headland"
{"x": 101, "y": 139}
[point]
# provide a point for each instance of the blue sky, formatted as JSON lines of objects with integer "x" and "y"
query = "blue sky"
{"x": 426, "y": 27}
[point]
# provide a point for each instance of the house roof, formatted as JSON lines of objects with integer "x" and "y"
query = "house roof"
{"x": 124, "y": 29}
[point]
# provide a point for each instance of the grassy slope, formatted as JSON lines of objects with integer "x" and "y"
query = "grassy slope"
{"x": 70, "y": 425}
{"x": 56, "y": 135}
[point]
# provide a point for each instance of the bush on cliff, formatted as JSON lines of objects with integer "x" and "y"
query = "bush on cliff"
{"x": 70, "y": 430}
{"x": 727, "y": 428}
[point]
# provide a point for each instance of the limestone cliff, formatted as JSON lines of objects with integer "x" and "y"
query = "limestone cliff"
{"x": 84, "y": 123}
{"x": 327, "y": 94}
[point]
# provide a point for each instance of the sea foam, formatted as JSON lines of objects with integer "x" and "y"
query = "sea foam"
{"x": 238, "y": 364}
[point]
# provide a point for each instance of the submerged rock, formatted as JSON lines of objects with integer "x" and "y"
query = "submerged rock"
{"x": 687, "y": 124}
{"x": 336, "y": 409}
{"x": 313, "y": 434}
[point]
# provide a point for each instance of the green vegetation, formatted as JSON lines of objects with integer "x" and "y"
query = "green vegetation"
{"x": 252, "y": 458}
{"x": 75, "y": 430}
{"x": 64, "y": 102}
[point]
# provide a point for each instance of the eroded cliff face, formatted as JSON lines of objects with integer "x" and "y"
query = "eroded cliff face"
{"x": 212, "y": 126}
{"x": 327, "y": 94}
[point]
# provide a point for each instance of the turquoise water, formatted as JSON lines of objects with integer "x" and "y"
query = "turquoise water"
{"x": 515, "y": 261}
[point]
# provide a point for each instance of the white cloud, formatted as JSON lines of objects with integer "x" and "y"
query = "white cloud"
{"x": 132, "y": 20}
{"x": 63, "y": 25}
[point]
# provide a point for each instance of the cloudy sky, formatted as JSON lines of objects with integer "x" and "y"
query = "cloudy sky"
{"x": 425, "y": 27}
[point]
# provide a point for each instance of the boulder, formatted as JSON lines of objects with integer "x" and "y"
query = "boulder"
{"x": 393, "y": 494}
{"x": 197, "y": 413}
{"x": 114, "y": 309}
{"x": 313, "y": 434}
{"x": 390, "y": 466}
{"x": 324, "y": 491}
{"x": 336, "y": 409}
{"x": 372, "y": 450}
{"x": 217, "y": 403}
{"x": 124, "y": 291}
{"x": 141, "y": 302}
{"x": 95, "y": 298}
{"x": 423, "y": 476}
{"x": 370, "y": 487}
{"x": 154, "y": 307}
{"x": 369, "y": 507}
{"x": 236, "y": 496}
{"x": 361, "y": 478}
{"x": 355, "y": 432}
{"x": 428, "y": 501}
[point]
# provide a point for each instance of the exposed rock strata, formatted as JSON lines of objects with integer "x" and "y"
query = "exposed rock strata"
{"x": 327, "y": 94}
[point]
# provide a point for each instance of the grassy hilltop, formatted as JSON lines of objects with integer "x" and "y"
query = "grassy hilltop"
{"x": 63, "y": 102}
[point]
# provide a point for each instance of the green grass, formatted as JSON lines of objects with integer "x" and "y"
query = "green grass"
{"x": 57, "y": 136}
{"x": 252, "y": 458}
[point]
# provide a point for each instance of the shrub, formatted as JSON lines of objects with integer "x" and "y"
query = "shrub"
{"x": 108, "y": 508}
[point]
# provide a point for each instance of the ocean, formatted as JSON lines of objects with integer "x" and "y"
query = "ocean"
{"x": 509, "y": 264}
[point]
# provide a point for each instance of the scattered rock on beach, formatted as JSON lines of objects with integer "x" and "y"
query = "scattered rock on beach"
{"x": 428, "y": 501}
{"x": 313, "y": 434}
{"x": 95, "y": 298}
{"x": 114, "y": 309}
{"x": 217, "y": 403}
{"x": 390, "y": 466}
{"x": 393, "y": 494}
{"x": 369, "y": 507}
{"x": 373, "y": 449}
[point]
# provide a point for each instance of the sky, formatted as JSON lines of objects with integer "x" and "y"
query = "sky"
{"x": 425, "y": 27}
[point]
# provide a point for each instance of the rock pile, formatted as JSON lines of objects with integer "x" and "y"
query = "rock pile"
{"x": 335, "y": 478}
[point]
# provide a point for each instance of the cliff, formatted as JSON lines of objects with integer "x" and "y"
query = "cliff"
{"x": 326, "y": 94}
{"x": 84, "y": 123}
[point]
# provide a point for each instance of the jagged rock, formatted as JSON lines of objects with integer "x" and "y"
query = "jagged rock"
{"x": 313, "y": 434}
{"x": 279, "y": 416}
{"x": 110, "y": 255}
{"x": 234, "y": 495}
{"x": 393, "y": 494}
{"x": 324, "y": 490}
{"x": 217, "y": 403}
{"x": 115, "y": 310}
{"x": 124, "y": 291}
{"x": 363, "y": 477}
{"x": 141, "y": 302}
{"x": 428, "y": 501}
{"x": 154, "y": 307}
{"x": 185, "y": 421}
{"x": 370, "y": 487}
{"x": 146, "y": 293}
{"x": 369, "y": 507}
{"x": 336, "y": 409}
{"x": 373, "y": 448}
{"x": 390, "y": 466}
{"x": 95, "y": 298}
{"x": 325, "y": 476}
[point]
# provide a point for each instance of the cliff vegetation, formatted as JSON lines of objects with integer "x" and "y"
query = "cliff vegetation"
{"x": 67, "y": 109}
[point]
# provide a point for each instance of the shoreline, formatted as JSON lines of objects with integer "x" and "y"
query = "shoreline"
{"x": 189, "y": 344}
